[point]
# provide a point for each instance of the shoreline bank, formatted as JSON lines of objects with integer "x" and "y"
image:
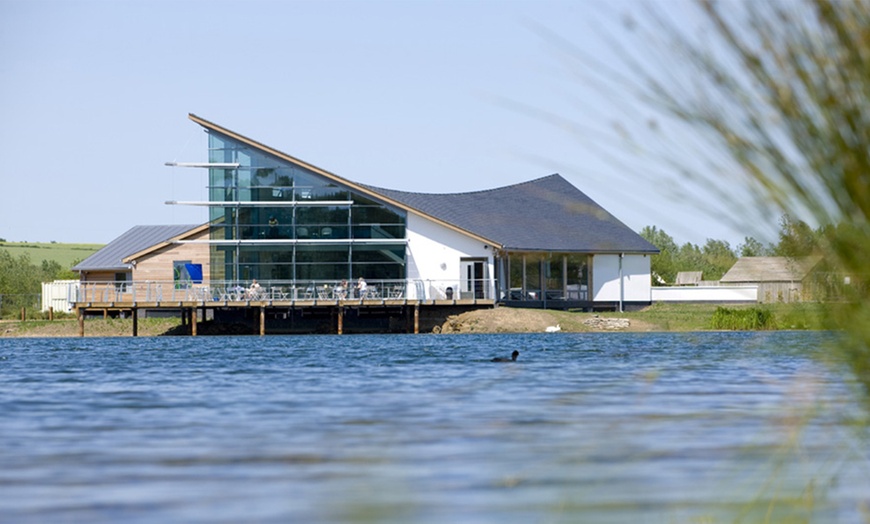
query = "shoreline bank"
{"x": 656, "y": 318}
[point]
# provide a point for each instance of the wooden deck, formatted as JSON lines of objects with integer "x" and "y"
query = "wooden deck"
{"x": 193, "y": 312}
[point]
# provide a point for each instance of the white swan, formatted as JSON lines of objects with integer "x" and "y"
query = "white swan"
{"x": 553, "y": 329}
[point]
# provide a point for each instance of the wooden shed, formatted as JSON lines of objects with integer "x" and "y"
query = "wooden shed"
{"x": 688, "y": 278}
{"x": 779, "y": 279}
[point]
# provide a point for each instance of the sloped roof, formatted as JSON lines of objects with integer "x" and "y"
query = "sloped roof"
{"x": 137, "y": 239}
{"x": 546, "y": 214}
{"x": 770, "y": 269}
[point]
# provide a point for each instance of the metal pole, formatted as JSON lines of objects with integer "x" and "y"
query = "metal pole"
{"x": 621, "y": 283}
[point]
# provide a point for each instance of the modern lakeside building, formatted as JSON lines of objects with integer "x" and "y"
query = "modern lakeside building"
{"x": 302, "y": 231}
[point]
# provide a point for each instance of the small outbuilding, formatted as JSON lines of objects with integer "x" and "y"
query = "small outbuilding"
{"x": 688, "y": 278}
{"x": 146, "y": 254}
{"x": 779, "y": 279}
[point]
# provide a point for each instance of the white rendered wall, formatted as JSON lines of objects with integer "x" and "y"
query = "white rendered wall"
{"x": 434, "y": 252}
{"x": 636, "y": 284}
{"x": 705, "y": 294}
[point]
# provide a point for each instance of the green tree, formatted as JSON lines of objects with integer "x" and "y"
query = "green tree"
{"x": 662, "y": 265}
{"x": 713, "y": 260}
{"x": 21, "y": 280}
{"x": 796, "y": 239}
{"x": 718, "y": 258}
{"x": 752, "y": 247}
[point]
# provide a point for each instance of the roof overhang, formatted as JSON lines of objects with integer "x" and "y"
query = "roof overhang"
{"x": 211, "y": 126}
{"x": 157, "y": 247}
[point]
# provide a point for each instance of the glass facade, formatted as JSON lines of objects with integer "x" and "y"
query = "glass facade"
{"x": 547, "y": 276}
{"x": 275, "y": 220}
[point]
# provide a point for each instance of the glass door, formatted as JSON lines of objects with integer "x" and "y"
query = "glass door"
{"x": 473, "y": 278}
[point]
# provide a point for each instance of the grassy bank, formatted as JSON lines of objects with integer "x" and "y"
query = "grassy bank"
{"x": 659, "y": 317}
{"x": 64, "y": 254}
{"x": 98, "y": 327}
{"x": 699, "y": 317}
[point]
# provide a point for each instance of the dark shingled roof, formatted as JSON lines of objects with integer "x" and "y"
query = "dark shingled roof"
{"x": 547, "y": 214}
{"x": 133, "y": 241}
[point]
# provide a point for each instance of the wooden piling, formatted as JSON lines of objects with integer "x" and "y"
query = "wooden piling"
{"x": 193, "y": 321}
{"x": 340, "y": 320}
{"x": 416, "y": 319}
{"x": 135, "y": 322}
{"x": 262, "y": 321}
{"x": 81, "y": 314}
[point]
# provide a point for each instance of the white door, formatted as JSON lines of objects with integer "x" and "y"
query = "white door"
{"x": 473, "y": 278}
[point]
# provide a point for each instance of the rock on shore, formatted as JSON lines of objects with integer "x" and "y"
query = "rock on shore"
{"x": 597, "y": 323}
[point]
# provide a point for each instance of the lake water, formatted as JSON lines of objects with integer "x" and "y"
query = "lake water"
{"x": 703, "y": 427}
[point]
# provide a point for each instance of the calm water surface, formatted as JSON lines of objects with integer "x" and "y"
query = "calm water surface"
{"x": 713, "y": 427}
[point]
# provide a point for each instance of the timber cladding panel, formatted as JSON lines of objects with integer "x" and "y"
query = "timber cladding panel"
{"x": 100, "y": 276}
{"x": 157, "y": 266}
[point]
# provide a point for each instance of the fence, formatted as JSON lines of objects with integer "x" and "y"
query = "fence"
{"x": 61, "y": 295}
{"x": 12, "y": 304}
{"x": 276, "y": 290}
{"x": 705, "y": 294}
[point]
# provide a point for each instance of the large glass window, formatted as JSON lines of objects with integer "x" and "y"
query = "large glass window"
{"x": 532, "y": 276}
{"x": 322, "y": 262}
{"x": 319, "y": 219}
{"x": 379, "y": 261}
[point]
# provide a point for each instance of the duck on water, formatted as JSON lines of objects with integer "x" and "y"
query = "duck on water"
{"x": 513, "y": 358}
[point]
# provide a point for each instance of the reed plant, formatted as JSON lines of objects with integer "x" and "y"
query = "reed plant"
{"x": 750, "y": 319}
{"x": 762, "y": 108}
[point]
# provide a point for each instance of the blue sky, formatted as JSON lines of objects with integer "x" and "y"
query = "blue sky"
{"x": 411, "y": 95}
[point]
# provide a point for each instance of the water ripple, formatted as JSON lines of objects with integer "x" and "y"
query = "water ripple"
{"x": 583, "y": 427}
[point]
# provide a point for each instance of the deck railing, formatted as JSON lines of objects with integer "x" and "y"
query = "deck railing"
{"x": 278, "y": 291}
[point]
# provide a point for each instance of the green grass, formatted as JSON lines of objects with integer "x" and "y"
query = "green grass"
{"x": 64, "y": 254}
{"x": 699, "y": 317}
{"x": 675, "y": 317}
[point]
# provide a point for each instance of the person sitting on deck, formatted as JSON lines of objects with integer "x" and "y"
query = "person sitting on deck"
{"x": 340, "y": 291}
{"x": 255, "y": 290}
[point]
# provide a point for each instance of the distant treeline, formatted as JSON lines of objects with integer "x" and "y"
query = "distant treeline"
{"x": 715, "y": 257}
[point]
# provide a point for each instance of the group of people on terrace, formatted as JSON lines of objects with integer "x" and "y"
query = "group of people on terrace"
{"x": 341, "y": 291}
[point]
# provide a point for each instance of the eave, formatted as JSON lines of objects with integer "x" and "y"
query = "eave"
{"x": 165, "y": 243}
